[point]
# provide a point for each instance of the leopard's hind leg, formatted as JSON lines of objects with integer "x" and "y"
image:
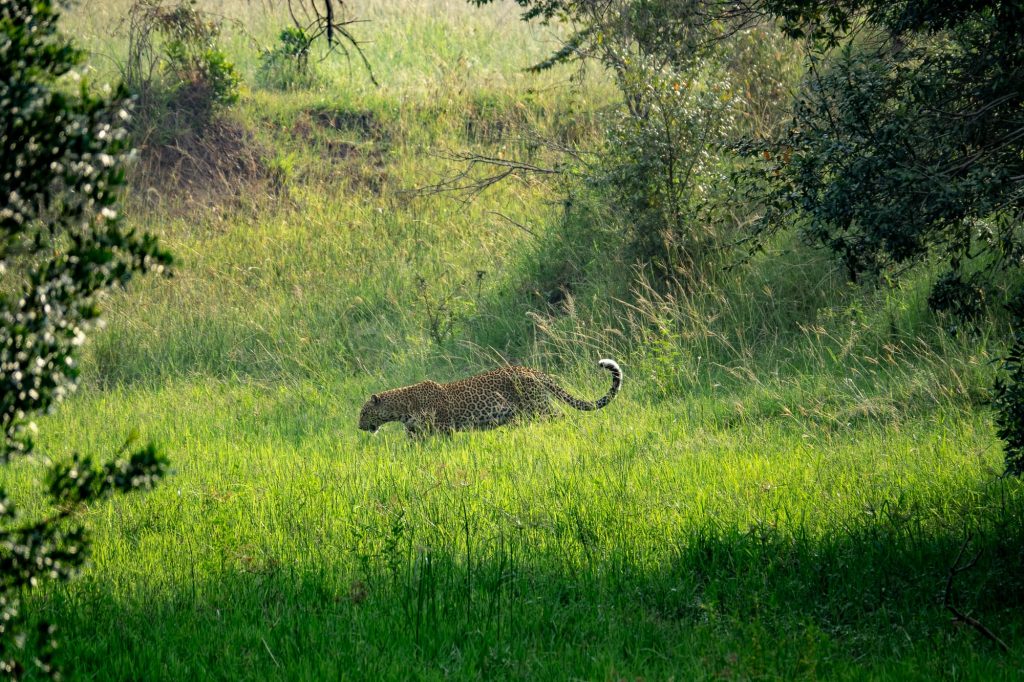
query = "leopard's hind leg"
{"x": 504, "y": 412}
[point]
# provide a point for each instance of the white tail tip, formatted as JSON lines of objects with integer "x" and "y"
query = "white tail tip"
{"x": 608, "y": 363}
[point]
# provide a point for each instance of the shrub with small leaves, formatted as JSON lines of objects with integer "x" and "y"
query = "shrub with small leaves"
{"x": 287, "y": 64}
{"x": 175, "y": 67}
{"x": 61, "y": 245}
{"x": 659, "y": 163}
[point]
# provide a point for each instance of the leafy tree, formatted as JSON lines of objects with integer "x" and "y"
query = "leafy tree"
{"x": 907, "y": 138}
{"x": 907, "y": 141}
{"x": 671, "y": 64}
{"x": 61, "y": 244}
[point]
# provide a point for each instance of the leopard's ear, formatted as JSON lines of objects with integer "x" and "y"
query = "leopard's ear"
{"x": 375, "y": 399}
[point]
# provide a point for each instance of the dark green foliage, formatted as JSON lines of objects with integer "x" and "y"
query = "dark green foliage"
{"x": 1009, "y": 397}
{"x": 61, "y": 245}
{"x": 963, "y": 299}
{"x": 830, "y": 23}
{"x": 906, "y": 141}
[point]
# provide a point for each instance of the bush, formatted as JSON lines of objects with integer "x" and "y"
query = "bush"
{"x": 905, "y": 142}
{"x": 287, "y": 65}
{"x": 175, "y": 68}
{"x": 1009, "y": 398}
{"x": 962, "y": 299}
{"x": 660, "y": 161}
{"x": 62, "y": 246}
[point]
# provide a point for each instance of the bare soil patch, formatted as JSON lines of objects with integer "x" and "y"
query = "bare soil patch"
{"x": 221, "y": 163}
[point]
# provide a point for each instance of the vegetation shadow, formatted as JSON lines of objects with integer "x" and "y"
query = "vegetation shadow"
{"x": 768, "y": 600}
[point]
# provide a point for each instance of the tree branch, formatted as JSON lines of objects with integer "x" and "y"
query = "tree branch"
{"x": 466, "y": 181}
{"x": 958, "y": 615}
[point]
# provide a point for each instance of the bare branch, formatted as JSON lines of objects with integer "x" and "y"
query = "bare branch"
{"x": 467, "y": 181}
{"x": 522, "y": 227}
{"x": 958, "y": 615}
{"x": 326, "y": 23}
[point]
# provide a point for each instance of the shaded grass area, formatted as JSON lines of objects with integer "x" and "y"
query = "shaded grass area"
{"x": 507, "y": 617}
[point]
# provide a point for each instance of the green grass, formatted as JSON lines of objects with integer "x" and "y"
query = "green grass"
{"x": 779, "y": 491}
{"x": 659, "y": 538}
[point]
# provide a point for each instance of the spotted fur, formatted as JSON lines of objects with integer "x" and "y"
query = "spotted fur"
{"x": 483, "y": 401}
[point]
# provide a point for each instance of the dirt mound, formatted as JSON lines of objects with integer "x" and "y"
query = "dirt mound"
{"x": 220, "y": 163}
{"x": 353, "y": 145}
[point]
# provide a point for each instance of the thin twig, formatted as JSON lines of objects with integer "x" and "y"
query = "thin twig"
{"x": 958, "y": 615}
{"x": 320, "y": 24}
{"x": 465, "y": 181}
{"x": 522, "y": 227}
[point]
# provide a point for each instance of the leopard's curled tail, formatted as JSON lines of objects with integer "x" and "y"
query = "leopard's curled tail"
{"x": 587, "y": 405}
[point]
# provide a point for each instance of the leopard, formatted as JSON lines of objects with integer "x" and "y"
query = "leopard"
{"x": 482, "y": 401}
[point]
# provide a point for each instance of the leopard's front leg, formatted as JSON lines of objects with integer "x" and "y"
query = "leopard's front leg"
{"x": 422, "y": 424}
{"x": 417, "y": 425}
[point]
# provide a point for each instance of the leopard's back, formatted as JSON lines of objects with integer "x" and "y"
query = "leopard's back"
{"x": 495, "y": 397}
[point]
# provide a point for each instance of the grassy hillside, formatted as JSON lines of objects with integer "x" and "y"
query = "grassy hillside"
{"x": 780, "y": 490}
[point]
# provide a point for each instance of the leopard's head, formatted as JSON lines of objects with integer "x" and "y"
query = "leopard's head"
{"x": 374, "y": 414}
